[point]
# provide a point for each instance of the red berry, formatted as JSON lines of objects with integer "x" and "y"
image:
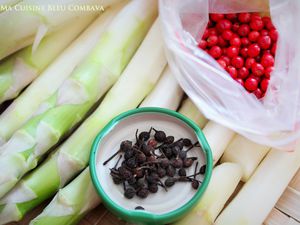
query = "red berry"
{"x": 253, "y": 36}
{"x": 231, "y": 16}
{"x": 212, "y": 40}
{"x": 266, "y": 19}
{"x": 202, "y": 44}
{"x": 268, "y": 23}
{"x": 235, "y": 41}
{"x": 251, "y": 84}
{"x": 226, "y": 59}
{"x": 253, "y": 50}
{"x": 235, "y": 35}
{"x": 264, "y": 85}
{"x": 224, "y": 51}
{"x": 243, "y": 73}
{"x": 273, "y": 35}
{"x": 256, "y": 24}
{"x": 255, "y": 15}
{"x": 255, "y": 77}
{"x": 264, "y": 42}
{"x": 273, "y": 49}
{"x": 240, "y": 81}
{"x": 223, "y": 24}
{"x": 232, "y": 71}
{"x": 249, "y": 62}
{"x": 215, "y": 52}
{"x": 244, "y": 30}
{"x": 268, "y": 71}
{"x": 267, "y": 60}
{"x": 212, "y": 31}
{"x": 237, "y": 62}
{"x": 227, "y": 34}
{"x": 222, "y": 63}
{"x": 221, "y": 42}
{"x": 244, "y": 52}
{"x": 264, "y": 32}
{"x": 244, "y": 17}
{"x": 235, "y": 27}
{"x": 257, "y": 69}
{"x": 232, "y": 51}
{"x": 245, "y": 41}
{"x": 258, "y": 93}
{"x": 216, "y": 16}
{"x": 205, "y": 34}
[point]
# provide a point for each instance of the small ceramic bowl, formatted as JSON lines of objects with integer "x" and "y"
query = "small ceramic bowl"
{"x": 162, "y": 207}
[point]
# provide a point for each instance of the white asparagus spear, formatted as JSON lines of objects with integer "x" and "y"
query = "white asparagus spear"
{"x": 173, "y": 96}
{"x": 223, "y": 182}
{"x": 258, "y": 196}
{"x": 189, "y": 109}
{"x": 246, "y": 153}
{"x": 218, "y": 138}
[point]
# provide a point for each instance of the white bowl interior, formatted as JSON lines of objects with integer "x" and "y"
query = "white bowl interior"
{"x": 161, "y": 202}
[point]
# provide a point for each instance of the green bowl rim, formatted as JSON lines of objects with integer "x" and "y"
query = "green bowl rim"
{"x": 139, "y": 215}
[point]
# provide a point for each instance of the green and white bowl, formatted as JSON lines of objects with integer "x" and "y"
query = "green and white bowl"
{"x": 162, "y": 207}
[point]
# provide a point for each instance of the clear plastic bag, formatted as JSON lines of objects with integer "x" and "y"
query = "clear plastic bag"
{"x": 273, "y": 121}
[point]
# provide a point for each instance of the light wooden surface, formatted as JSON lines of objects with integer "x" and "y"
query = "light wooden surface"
{"x": 286, "y": 211}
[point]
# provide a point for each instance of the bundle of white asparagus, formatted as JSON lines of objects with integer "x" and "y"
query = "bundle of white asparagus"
{"x": 79, "y": 70}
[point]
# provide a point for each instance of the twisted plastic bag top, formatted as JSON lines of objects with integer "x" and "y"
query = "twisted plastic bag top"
{"x": 274, "y": 120}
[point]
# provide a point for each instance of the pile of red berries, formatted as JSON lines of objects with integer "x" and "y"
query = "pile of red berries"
{"x": 244, "y": 44}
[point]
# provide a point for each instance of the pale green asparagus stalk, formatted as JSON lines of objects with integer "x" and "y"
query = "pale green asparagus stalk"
{"x": 245, "y": 153}
{"x": 223, "y": 182}
{"x": 73, "y": 155}
{"x": 190, "y": 110}
{"x": 144, "y": 70}
{"x": 51, "y": 79}
{"x": 173, "y": 96}
{"x": 88, "y": 82}
{"x": 259, "y": 195}
{"x": 20, "y": 69}
{"x": 21, "y": 27}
